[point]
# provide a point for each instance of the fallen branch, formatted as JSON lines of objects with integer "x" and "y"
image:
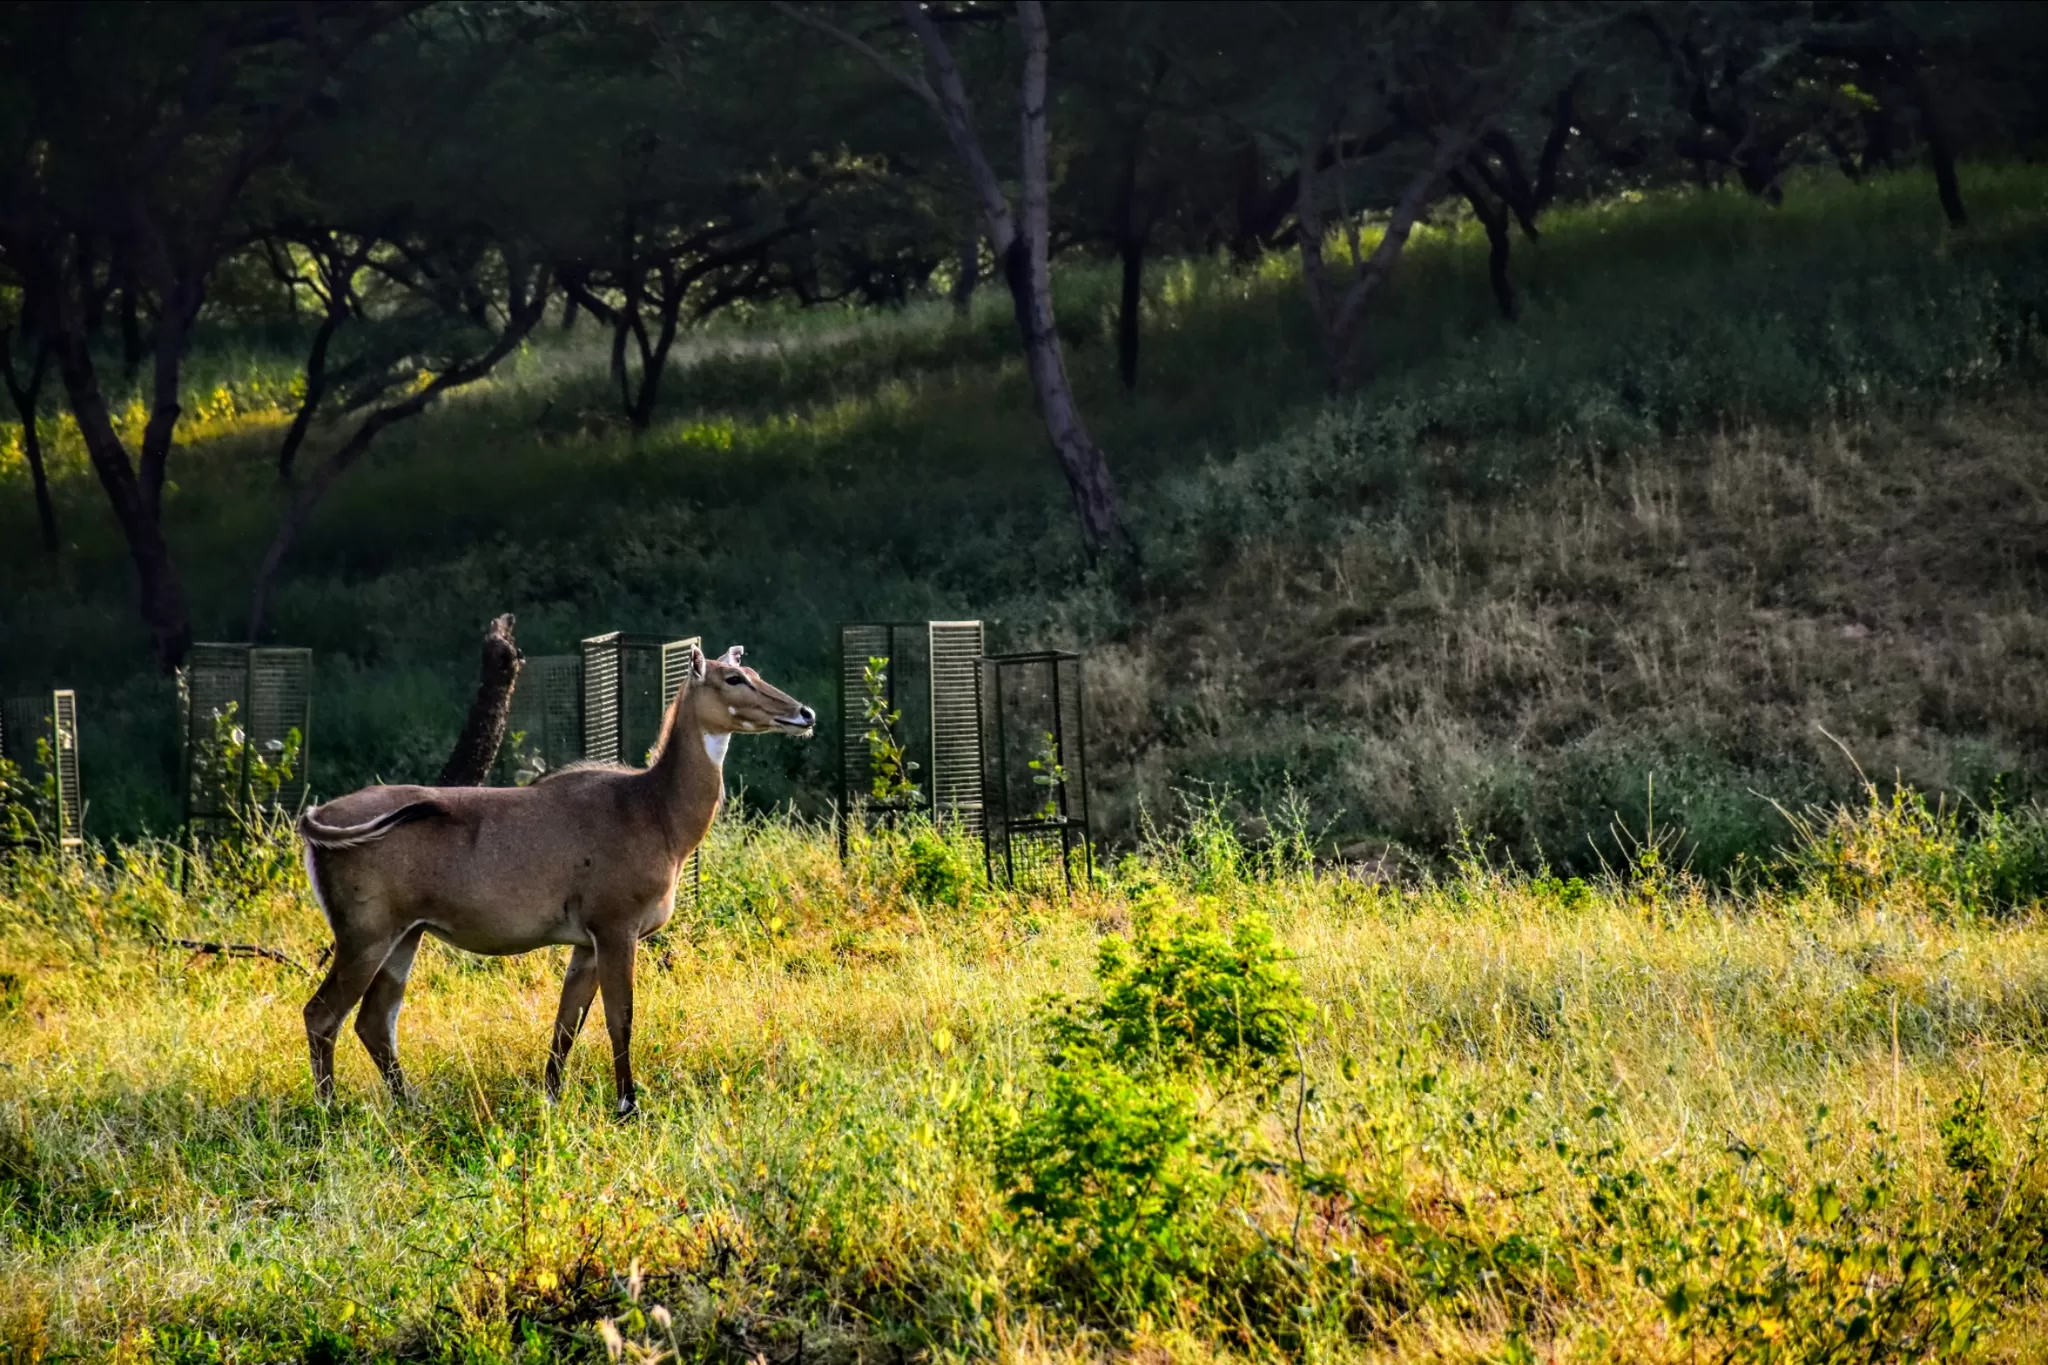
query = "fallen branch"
{"x": 202, "y": 949}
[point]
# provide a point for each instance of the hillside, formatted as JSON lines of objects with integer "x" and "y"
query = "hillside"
{"x": 1737, "y": 475}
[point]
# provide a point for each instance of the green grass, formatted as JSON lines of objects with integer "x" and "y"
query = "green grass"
{"x": 829, "y": 466}
{"x": 1535, "y": 1119}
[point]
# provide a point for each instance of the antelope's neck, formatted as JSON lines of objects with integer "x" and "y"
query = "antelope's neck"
{"x": 689, "y": 778}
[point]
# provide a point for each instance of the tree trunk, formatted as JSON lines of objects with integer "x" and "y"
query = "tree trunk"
{"x": 1339, "y": 319}
{"x": 1130, "y": 246}
{"x": 160, "y": 594}
{"x": 27, "y": 399}
{"x": 1087, "y": 473}
{"x": 316, "y": 390}
{"x": 569, "y": 310}
{"x": 1132, "y": 252}
{"x": 1494, "y": 218}
{"x": 1941, "y": 151}
{"x": 132, "y": 349}
{"x": 1020, "y": 240}
{"x": 476, "y": 749}
{"x": 1028, "y": 270}
{"x": 654, "y": 359}
{"x": 969, "y": 278}
{"x": 622, "y": 328}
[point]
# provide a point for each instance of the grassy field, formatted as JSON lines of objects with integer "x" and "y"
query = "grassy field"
{"x": 1485, "y": 1117}
{"x": 1738, "y": 476}
{"x": 1501, "y": 958}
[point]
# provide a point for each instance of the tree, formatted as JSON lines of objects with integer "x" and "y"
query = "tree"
{"x": 188, "y": 106}
{"x": 1495, "y": 181}
{"x": 324, "y": 262}
{"x": 462, "y": 357}
{"x": 1019, "y": 228}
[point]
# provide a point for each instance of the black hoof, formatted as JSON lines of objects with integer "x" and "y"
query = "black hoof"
{"x": 628, "y": 1110}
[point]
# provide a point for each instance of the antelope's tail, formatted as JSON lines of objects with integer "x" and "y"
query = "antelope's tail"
{"x": 322, "y": 836}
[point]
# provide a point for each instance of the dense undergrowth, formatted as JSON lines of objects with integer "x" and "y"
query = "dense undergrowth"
{"x": 1737, "y": 476}
{"x": 1227, "y": 1103}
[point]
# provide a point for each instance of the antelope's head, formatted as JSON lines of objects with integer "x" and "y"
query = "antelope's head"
{"x": 733, "y": 699}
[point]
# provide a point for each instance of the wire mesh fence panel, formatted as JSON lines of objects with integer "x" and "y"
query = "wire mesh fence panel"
{"x": 39, "y": 736}
{"x": 601, "y": 737}
{"x": 245, "y": 722}
{"x": 625, "y": 693}
{"x": 544, "y": 729}
{"x": 1035, "y": 782}
{"x": 280, "y": 725}
{"x": 213, "y": 689}
{"x": 903, "y": 685}
{"x": 64, "y": 752}
{"x": 955, "y": 651}
{"x": 858, "y": 646}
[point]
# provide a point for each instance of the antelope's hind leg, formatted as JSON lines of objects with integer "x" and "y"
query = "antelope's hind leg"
{"x": 377, "y": 1018}
{"x": 356, "y": 964}
{"x": 579, "y": 985}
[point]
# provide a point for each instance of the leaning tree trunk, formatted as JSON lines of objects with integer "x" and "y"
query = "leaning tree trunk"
{"x": 161, "y": 595}
{"x": 316, "y": 393}
{"x": 469, "y": 763}
{"x": 654, "y": 356}
{"x": 1027, "y": 268}
{"x": 521, "y": 317}
{"x": 1019, "y": 238}
{"x": 27, "y": 398}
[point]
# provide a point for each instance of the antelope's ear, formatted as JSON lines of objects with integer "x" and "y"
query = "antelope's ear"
{"x": 732, "y": 656}
{"x": 697, "y": 664}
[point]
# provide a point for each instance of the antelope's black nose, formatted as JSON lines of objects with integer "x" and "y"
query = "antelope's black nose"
{"x": 810, "y": 716}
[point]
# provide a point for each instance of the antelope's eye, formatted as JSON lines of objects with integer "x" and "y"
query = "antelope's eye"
{"x": 735, "y": 680}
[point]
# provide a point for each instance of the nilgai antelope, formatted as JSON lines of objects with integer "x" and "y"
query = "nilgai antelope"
{"x": 587, "y": 856}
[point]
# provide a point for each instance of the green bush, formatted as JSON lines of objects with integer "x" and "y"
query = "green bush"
{"x": 1763, "y": 1269}
{"x": 1906, "y": 848}
{"x": 1113, "y": 1171}
{"x": 938, "y": 871}
{"x": 1191, "y": 997}
{"x": 1111, "y": 1181}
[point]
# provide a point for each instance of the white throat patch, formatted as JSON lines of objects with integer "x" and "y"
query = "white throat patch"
{"x": 714, "y": 745}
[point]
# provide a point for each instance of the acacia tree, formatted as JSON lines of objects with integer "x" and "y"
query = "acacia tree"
{"x": 191, "y": 105}
{"x": 1018, "y": 226}
{"x": 459, "y": 356}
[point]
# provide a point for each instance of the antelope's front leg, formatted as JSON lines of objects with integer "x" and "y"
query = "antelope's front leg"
{"x": 579, "y": 984}
{"x": 615, "y": 978}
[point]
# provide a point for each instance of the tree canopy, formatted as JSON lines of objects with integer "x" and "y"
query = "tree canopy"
{"x": 418, "y": 183}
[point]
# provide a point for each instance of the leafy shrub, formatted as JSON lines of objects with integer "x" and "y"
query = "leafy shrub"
{"x": 1763, "y": 1268}
{"x": 28, "y": 807}
{"x": 1190, "y": 997}
{"x": 1905, "y": 848}
{"x": 1110, "y": 1179}
{"x": 1109, "y": 1172}
{"x": 937, "y": 870}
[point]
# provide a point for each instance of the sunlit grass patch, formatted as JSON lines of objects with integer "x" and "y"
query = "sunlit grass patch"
{"x": 1616, "y": 1119}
